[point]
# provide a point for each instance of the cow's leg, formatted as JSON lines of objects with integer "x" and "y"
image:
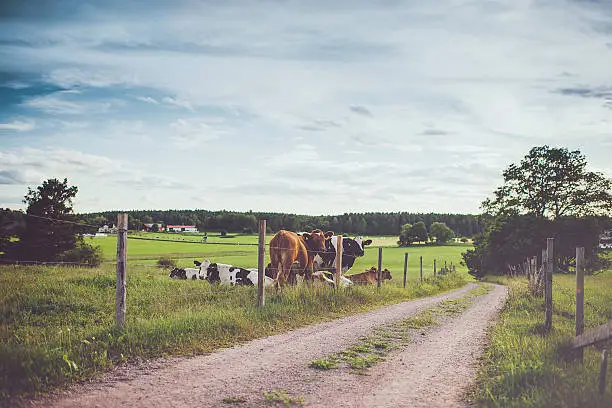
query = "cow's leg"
{"x": 308, "y": 274}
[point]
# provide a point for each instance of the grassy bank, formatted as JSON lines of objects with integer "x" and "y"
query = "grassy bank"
{"x": 525, "y": 368}
{"x": 57, "y": 323}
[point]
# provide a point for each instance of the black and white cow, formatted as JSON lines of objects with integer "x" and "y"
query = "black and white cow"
{"x": 229, "y": 274}
{"x": 351, "y": 249}
{"x": 185, "y": 273}
{"x": 329, "y": 278}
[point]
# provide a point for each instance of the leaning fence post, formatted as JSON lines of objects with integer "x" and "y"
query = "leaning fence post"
{"x": 261, "y": 271}
{"x": 379, "y": 264}
{"x": 122, "y": 224}
{"x": 579, "y": 295}
{"x": 405, "y": 267}
{"x": 338, "y": 261}
{"x": 550, "y": 264}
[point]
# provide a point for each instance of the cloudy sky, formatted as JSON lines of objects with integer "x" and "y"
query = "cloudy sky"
{"x": 313, "y": 107}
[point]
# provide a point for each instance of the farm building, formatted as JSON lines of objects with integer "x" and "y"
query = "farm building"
{"x": 108, "y": 230}
{"x": 605, "y": 240}
{"x": 181, "y": 228}
{"x": 149, "y": 227}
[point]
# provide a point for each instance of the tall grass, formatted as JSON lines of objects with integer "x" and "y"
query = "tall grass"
{"x": 524, "y": 367}
{"x": 57, "y": 323}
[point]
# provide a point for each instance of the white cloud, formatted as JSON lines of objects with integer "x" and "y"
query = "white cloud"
{"x": 58, "y": 104}
{"x": 18, "y": 126}
{"x": 178, "y": 102}
{"x": 148, "y": 99}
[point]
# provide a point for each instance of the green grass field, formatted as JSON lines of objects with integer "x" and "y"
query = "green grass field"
{"x": 525, "y": 368}
{"x": 242, "y": 251}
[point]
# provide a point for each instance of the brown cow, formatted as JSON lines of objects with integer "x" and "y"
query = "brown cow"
{"x": 369, "y": 277}
{"x": 287, "y": 247}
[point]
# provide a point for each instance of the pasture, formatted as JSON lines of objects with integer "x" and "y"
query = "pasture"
{"x": 524, "y": 367}
{"x": 58, "y": 322}
{"x": 241, "y": 250}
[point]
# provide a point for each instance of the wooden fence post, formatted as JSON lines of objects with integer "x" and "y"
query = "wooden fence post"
{"x": 602, "y": 371}
{"x": 379, "y": 264}
{"x": 338, "y": 262}
{"x": 435, "y": 273}
{"x": 122, "y": 224}
{"x": 579, "y": 295}
{"x": 550, "y": 264}
{"x": 421, "y": 267}
{"x": 261, "y": 261}
{"x": 405, "y": 267}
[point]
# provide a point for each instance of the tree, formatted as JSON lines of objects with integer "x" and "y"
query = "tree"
{"x": 49, "y": 225}
{"x": 441, "y": 232}
{"x": 419, "y": 232}
{"x": 12, "y": 224}
{"x": 51, "y": 232}
{"x": 551, "y": 182}
{"x": 405, "y": 237}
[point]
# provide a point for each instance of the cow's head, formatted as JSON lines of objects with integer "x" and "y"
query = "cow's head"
{"x": 386, "y": 274}
{"x": 212, "y": 272}
{"x": 270, "y": 271}
{"x": 315, "y": 241}
{"x": 360, "y": 244}
{"x": 178, "y": 273}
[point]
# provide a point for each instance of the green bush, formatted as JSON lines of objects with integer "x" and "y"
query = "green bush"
{"x": 83, "y": 253}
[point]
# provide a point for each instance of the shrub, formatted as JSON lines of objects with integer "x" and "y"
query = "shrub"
{"x": 166, "y": 262}
{"x": 83, "y": 253}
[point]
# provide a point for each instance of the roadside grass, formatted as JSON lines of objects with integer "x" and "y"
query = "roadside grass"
{"x": 525, "y": 368}
{"x": 283, "y": 397}
{"x": 57, "y": 323}
{"x": 386, "y": 338}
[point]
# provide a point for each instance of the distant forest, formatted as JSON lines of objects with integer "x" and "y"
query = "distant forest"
{"x": 351, "y": 223}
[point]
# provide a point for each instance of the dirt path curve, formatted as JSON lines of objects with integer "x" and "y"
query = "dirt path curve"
{"x": 432, "y": 371}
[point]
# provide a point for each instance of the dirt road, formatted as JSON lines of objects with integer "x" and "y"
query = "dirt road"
{"x": 432, "y": 371}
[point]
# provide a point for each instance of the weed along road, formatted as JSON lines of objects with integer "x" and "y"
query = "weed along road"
{"x": 411, "y": 354}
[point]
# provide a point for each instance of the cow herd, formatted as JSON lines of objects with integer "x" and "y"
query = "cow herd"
{"x": 311, "y": 256}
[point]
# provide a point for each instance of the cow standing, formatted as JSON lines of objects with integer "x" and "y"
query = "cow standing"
{"x": 351, "y": 249}
{"x": 287, "y": 247}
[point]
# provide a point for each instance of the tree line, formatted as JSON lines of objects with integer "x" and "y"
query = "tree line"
{"x": 373, "y": 223}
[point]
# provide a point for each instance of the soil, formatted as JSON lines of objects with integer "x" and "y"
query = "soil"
{"x": 434, "y": 370}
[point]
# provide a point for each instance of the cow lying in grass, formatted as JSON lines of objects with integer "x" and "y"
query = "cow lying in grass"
{"x": 369, "y": 277}
{"x": 328, "y": 277}
{"x": 185, "y": 273}
{"x": 229, "y": 274}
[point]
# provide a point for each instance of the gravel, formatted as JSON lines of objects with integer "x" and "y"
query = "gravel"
{"x": 433, "y": 371}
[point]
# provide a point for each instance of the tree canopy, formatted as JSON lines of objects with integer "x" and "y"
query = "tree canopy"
{"x": 441, "y": 232}
{"x": 49, "y": 230}
{"x": 551, "y": 182}
{"x": 548, "y": 194}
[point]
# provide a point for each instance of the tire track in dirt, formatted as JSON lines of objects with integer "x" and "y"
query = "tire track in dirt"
{"x": 432, "y": 371}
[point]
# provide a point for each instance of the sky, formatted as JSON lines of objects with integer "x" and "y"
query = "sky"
{"x": 310, "y": 107}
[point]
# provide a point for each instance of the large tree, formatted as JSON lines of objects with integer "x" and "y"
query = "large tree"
{"x": 441, "y": 232}
{"x": 551, "y": 182}
{"x": 50, "y": 229}
{"x": 419, "y": 232}
{"x": 549, "y": 193}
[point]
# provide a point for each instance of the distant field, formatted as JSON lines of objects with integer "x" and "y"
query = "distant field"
{"x": 242, "y": 251}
